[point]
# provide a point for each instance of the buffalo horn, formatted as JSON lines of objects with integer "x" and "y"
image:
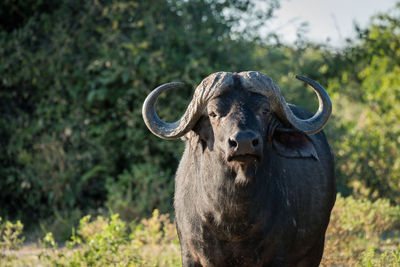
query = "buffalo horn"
{"x": 164, "y": 129}
{"x": 317, "y": 122}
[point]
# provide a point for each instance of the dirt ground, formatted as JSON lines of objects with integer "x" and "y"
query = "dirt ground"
{"x": 27, "y": 255}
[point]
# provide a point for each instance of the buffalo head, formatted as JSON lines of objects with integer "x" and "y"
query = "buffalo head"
{"x": 235, "y": 113}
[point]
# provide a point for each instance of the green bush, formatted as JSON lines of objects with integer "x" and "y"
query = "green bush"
{"x": 141, "y": 190}
{"x": 74, "y": 75}
{"x": 388, "y": 258}
{"x": 10, "y": 235}
{"x": 11, "y": 239}
{"x": 367, "y": 134}
{"x": 107, "y": 241}
{"x": 361, "y": 230}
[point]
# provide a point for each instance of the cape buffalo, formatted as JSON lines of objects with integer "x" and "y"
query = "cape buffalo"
{"x": 255, "y": 185}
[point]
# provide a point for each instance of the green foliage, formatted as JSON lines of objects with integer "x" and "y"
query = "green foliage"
{"x": 388, "y": 258}
{"x": 106, "y": 241}
{"x": 48, "y": 241}
{"x": 10, "y": 235}
{"x": 60, "y": 224}
{"x": 363, "y": 231}
{"x": 74, "y": 77}
{"x": 368, "y": 159}
{"x": 141, "y": 190}
{"x": 10, "y": 240}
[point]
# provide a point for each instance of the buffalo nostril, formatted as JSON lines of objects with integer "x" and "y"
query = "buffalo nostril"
{"x": 255, "y": 142}
{"x": 232, "y": 143}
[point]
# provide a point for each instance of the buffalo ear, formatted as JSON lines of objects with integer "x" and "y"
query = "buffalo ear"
{"x": 293, "y": 144}
{"x": 203, "y": 131}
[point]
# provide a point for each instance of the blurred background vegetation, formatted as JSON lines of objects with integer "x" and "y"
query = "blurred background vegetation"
{"x": 74, "y": 74}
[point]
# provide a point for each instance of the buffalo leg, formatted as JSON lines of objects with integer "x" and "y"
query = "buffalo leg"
{"x": 314, "y": 256}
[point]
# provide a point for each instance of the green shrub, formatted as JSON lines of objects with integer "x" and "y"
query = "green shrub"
{"x": 109, "y": 242}
{"x": 366, "y": 135}
{"x": 10, "y": 235}
{"x": 140, "y": 190}
{"x": 369, "y": 258}
{"x": 10, "y": 240}
{"x": 357, "y": 225}
{"x": 74, "y": 75}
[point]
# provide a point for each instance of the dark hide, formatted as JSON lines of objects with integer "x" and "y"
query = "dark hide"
{"x": 267, "y": 207}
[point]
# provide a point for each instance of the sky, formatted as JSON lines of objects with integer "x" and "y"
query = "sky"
{"x": 333, "y": 19}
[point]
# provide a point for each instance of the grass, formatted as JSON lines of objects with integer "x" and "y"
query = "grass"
{"x": 361, "y": 233}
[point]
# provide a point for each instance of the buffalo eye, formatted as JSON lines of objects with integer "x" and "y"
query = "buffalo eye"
{"x": 212, "y": 114}
{"x": 264, "y": 110}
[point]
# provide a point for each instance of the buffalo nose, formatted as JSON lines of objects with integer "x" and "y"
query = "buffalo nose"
{"x": 244, "y": 142}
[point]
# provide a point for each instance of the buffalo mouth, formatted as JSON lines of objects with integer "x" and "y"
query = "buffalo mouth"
{"x": 244, "y": 158}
